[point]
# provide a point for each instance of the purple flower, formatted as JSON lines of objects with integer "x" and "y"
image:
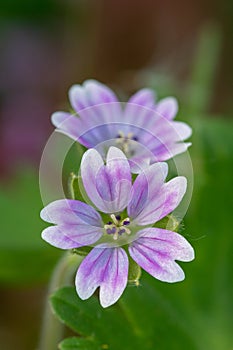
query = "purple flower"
{"x": 128, "y": 211}
{"x": 142, "y": 129}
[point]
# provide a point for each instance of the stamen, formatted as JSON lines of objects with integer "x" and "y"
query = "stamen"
{"x": 123, "y": 140}
{"x": 108, "y": 226}
{"x": 126, "y": 147}
{"x": 114, "y": 219}
{"x": 115, "y": 236}
{"x": 117, "y": 227}
{"x": 130, "y": 135}
{"x": 124, "y": 222}
{"x": 127, "y": 230}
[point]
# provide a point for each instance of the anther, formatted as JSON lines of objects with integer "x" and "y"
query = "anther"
{"x": 121, "y": 230}
{"x": 126, "y": 222}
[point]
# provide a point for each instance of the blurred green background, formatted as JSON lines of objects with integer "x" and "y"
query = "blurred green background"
{"x": 178, "y": 48}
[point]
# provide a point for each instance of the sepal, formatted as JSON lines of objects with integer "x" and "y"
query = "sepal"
{"x": 134, "y": 273}
{"x": 73, "y": 186}
{"x": 82, "y": 251}
{"x": 170, "y": 223}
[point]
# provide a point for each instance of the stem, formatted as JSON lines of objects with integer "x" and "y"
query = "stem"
{"x": 52, "y": 329}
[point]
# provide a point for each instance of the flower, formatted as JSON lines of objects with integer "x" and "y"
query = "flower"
{"x": 144, "y": 130}
{"x": 128, "y": 211}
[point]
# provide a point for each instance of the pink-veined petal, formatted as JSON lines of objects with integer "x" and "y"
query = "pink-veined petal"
{"x": 70, "y": 211}
{"x": 148, "y": 182}
{"x": 89, "y": 94}
{"x": 108, "y": 187}
{"x": 167, "y": 107}
{"x": 144, "y": 97}
{"x": 71, "y": 236}
{"x": 163, "y": 202}
{"x": 156, "y": 251}
{"x": 106, "y": 268}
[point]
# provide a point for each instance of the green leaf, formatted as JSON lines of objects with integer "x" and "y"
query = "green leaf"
{"x": 75, "y": 343}
{"x": 132, "y": 319}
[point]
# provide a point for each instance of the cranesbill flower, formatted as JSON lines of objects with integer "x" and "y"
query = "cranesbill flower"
{"x": 118, "y": 224}
{"x": 143, "y": 129}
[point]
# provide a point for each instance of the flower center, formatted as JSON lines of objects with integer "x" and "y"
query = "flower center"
{"x": 117, "y": 226}
{"x": 124, "y": 141}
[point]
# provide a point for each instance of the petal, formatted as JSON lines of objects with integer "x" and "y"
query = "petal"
{"x": 59, "y": 117}
{"x": 57, "y": 238}
{"x": 144, "y": 97}
{"x": 93, "y": 126}
{"x": 113, "y": 182}
{"x": 95, "y": 133}
{"x": 165, "y": 152}
{"x": 91, "y": 164}
{"x": 139, "y": 162}
{"x": 162, "y": 137}
{"x": 68, "y": 124}
{"x": 108, "y": 187}
{"x": 78, "y": 224}
{"x": 150, "y": 179}
{"x": 162, "y": 202}
{"x": 90, "y": 94}
{"x": 156, "y": 251}
{"x": 165, "y": 133}
{"x": 139, "y": 118}
{"x": 80, "y": 235}
{"x": 104, "y": 268}
{"x": 167, "y": 107}
{"x": 69, "y": 211}
{"x": 97, "y": 107}
{"x": 183, "y": 130}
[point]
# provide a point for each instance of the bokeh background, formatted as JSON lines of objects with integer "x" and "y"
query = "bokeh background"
{"x": 181, "y": 48}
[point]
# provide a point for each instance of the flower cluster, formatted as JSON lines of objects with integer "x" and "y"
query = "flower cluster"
{"x": 118, "y": 222}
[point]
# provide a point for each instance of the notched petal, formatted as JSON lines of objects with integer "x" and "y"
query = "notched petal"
{"x": 156, "y": 251}
{"x": 105, "y": 268}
